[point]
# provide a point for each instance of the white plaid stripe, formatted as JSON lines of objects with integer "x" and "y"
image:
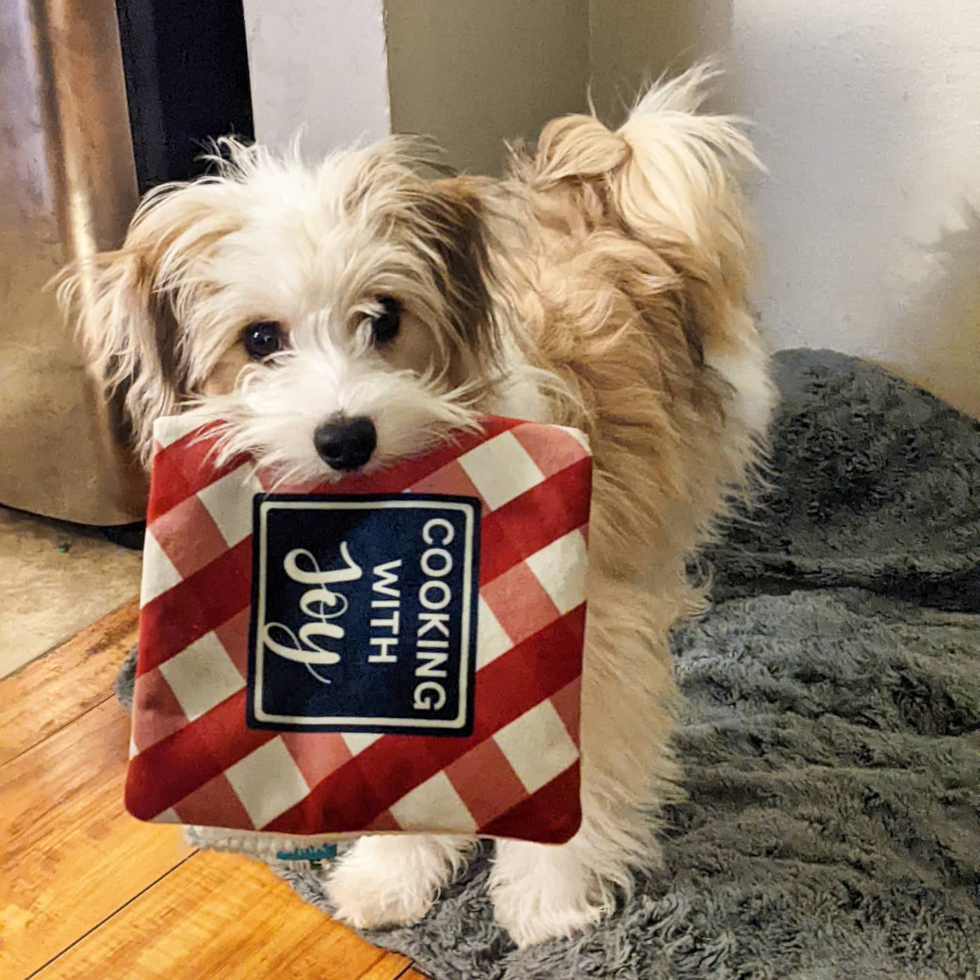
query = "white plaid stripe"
{"x": 202, "y": 676}
{"x": 159, "y": 573}
{"x": 229, "y": 502}
{"x": 357, "y": 742}
{"x": 491, "y": 640}
{"x": 561, "y": 568}
{"x": 578, "y": 435}
{"x": 435, "y": 806}
{"x": 267, "y": 782}
{"x": 501, "y": 469}
{"x": 168, "y": 816}
{"x": 537, "y": 746}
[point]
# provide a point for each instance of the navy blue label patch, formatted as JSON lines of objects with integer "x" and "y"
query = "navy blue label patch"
{"x": 364, "y": 613}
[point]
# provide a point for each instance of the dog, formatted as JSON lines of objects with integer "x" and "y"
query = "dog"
{"x": 334, "y": 318}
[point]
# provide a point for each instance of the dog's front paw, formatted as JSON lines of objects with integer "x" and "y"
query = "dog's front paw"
{"x": 392, "y": 880}
{"x": 534, "y": 909}
{"x": 368, "y": 897}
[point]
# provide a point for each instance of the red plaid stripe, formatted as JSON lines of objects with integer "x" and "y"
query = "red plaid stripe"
{"x": 215, "y": 796}
{"x": 189, "y": 467}
{"x": 527, "y": 524}
{"x": 552, "y": 824}
{"x": 204, "y": 601}
{"x": 189, "y": 553}
{"x": 205, "y": 748}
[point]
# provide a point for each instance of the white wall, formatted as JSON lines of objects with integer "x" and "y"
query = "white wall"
{"x": 317, "y": 64}
{"x": 868, "y": 117}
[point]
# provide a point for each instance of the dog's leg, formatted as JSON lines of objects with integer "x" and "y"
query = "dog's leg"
{"x": 393, "y": 879}
{"x": 542, "y": 891}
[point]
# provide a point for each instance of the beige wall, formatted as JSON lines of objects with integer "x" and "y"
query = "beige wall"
{"x": 475, "y": 72}
{"x": 635, "y": 41}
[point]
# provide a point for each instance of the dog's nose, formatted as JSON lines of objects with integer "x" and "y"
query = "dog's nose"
{"x": 346, "y": 444}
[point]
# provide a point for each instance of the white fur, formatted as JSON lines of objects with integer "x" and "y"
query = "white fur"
{"x": 276, "y": 415}
{"x": 394, "y": 878}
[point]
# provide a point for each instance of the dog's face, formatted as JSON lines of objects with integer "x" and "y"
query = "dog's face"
{"x": 333, "y": 318}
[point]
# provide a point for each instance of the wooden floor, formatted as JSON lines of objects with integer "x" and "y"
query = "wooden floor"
{"x": 89, "y": 893}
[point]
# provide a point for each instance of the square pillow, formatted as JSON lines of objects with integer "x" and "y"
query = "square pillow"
{"x": 393, "y": 652}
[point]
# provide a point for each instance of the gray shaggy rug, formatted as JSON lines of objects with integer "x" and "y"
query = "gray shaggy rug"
{"x": 831, "y": 744}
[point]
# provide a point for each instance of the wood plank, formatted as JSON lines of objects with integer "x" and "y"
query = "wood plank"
{"x": 74, "y": 862}
{"x": 220, "y": 917}
{"x": 391, "y": 966}
{"x": 71, "y": 855}
{"x": 52, "y": 691}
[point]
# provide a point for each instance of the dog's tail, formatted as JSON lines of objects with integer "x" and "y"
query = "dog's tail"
{"x": 668, "y": 172}
{"x": 668, "y": 181}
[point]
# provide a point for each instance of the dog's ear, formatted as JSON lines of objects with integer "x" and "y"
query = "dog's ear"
{"x": 124, "y": 305}
{"x": 454, "y": 215}
{"x": 129, "y": 333}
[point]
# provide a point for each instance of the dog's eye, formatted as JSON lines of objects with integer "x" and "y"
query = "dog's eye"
{"x": 262, "y": 339}
{"x": 385, "y": 325}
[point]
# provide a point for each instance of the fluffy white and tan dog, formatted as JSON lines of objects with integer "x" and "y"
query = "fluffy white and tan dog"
{"x": 340, "y": 316}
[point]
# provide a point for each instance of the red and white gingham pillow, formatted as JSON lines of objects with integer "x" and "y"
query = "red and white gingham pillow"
{"x": 243, "y": 720}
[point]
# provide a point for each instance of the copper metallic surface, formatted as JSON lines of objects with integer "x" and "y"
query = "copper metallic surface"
{"x": 67, "y": 190}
